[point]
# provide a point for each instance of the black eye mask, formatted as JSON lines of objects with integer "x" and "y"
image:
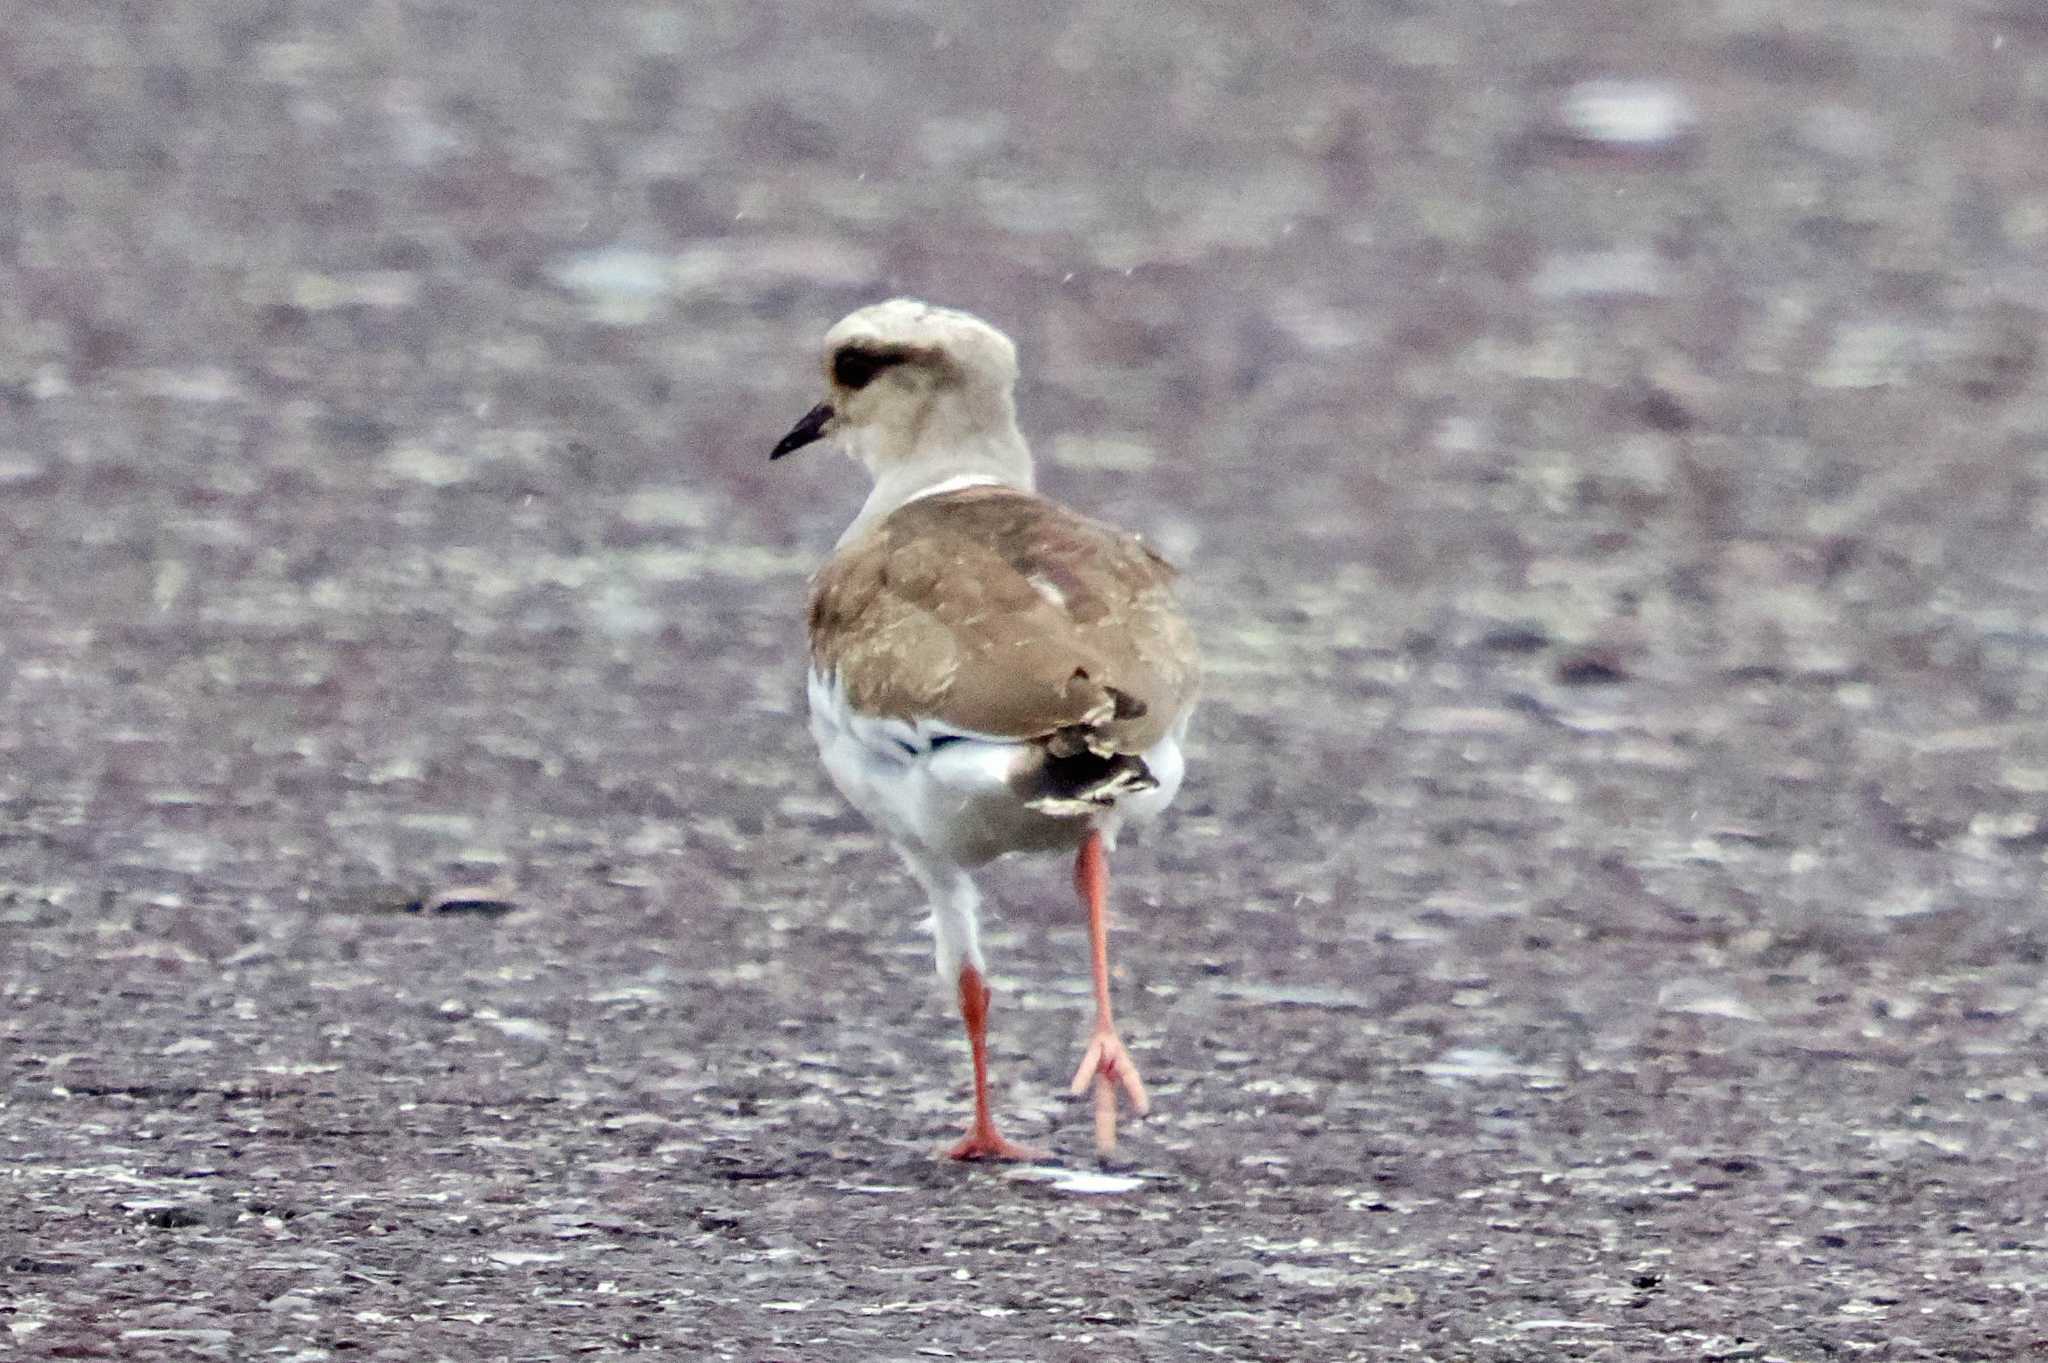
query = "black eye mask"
{"x": 856, "y": 366}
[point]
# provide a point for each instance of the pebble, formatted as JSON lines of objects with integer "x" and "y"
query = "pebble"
{"x": 1085, "y": 1182}
{"x": 1636, "y": 272}
{"x": 18, "y": 470}
{"x": 1627, "y": 115}
{"x": 480, "y": 900}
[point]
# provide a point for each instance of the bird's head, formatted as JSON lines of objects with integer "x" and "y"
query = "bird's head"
{"x": 909, "y": 383}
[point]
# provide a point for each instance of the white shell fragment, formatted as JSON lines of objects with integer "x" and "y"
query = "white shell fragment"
{"x": 1085, "y": 1182}
{"x": 1640, "y": 115}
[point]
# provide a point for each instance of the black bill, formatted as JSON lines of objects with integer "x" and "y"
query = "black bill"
{"x": 804, "y": 432}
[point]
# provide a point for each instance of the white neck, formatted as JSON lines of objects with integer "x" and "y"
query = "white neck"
{"x": 999, "y": 458}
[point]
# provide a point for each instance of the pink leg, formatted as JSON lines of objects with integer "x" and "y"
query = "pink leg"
{"x": 982, "y": 1141}
{"x": 1105, "y": 1063}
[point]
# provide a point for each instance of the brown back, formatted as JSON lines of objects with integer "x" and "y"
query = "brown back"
{"x": 1001, "y": 613}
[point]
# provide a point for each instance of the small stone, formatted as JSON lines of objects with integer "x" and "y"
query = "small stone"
{"x": 523, "y": 1258}
{"x": 1602, "y": 274}
{"x": 1083, "y": 1182}
{"x": 1627, "y": 115}
{"x": 1703, "y": 998}
{"x": 1866, "y": 355}
{"x": 19, "y": 470}
{"x": 424, "y": 464}
{"x": 1590, "y": 667}
{"x": 166, "y": 1214}
{"x": 383, "y": 290}
{"x": 202, "y": 387}
{"x": 621, "y": 286}
{"x": 481, "y": 900}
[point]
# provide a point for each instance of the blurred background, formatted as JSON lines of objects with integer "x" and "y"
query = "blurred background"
{"x": 1609, "y": 451}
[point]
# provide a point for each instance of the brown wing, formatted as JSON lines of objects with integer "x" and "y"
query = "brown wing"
{"x": 1000, "y": 613}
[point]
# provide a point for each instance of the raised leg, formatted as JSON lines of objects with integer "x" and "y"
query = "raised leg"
{"x": 1105, "y": 1064}
{"x": 982, "y": 1141}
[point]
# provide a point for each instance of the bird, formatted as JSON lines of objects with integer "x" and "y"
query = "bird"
{"x": 990, "y": 672}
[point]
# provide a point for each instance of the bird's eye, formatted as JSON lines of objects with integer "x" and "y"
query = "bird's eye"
{"x": 854, "y": 367}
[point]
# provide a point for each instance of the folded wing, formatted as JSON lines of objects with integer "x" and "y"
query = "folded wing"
{"x": 998, "y": 614}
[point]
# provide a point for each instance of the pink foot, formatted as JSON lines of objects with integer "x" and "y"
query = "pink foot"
{"x": 989, "y": 1144}
{"x": 1107, "y": 1066}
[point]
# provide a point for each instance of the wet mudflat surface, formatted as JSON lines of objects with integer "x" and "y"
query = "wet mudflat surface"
{"x": 1605, "y": 919}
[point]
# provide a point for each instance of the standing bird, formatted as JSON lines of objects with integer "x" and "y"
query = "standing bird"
{"x": 990, "y": 672}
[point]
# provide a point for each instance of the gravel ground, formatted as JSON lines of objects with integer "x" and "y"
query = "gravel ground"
{"x": 1605, "y": 917}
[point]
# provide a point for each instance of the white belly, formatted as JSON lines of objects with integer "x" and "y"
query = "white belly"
{"x": 954, "y": 798}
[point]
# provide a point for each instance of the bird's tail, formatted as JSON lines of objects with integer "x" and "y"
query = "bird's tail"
{"x": 1080, "y": 775}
